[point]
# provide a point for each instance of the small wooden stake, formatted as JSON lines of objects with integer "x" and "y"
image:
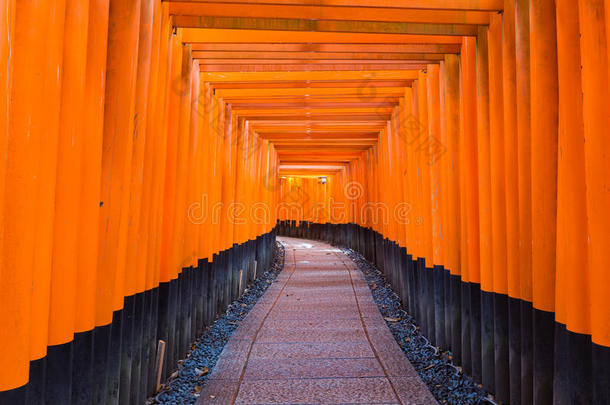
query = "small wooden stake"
{"x": 160, "y": 360}
{"x": 255, "y": 266}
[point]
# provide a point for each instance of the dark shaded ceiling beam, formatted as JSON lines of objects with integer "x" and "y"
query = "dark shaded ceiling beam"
{"x": 482, "y": 5}
{"x": 321, "y": 48}
{"x": 354, "y": 13}
{"x": 276, "y": 36}
{"x": 293, "y": 24}
{"x": 218, "y": 56}
{"x": 309, "y": 67}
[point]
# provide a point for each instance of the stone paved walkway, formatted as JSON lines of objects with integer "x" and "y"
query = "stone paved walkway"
{"x": 315, "y": 337}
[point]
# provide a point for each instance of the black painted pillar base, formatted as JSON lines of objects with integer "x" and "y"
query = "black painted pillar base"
{"x": 410, "y": 269}
{"x": 502, "y": 391}
{"x": 456, "y": 317}
{"x": 14, "y": 396}
{"x": 439, "y": 305}
{"x": 601, "y": 374}
{"x": 139, "y": 338}
{"x": 475, "y": 331}
{"x": 126, "y": 349}
{"x": 82, "y": 369}
{"x": 114, "y": 359}
{"x": 561, "y": 378}
{"x": 514, "y": 349}
{"x": 101, "y": 355}
{"x": 527, "y": 353}
{"x": 420, "y": 282}
{"x": 36, "y": 386}
{"x": 544, "y": 338}
{"x": 580, "y": 369}
{"x": 58, "y": 386}
{"x": 487, "y": 341}
{"x": 429, "y": 299}
{"x": 466, "y": 348}
{"x": 447, "y": 309}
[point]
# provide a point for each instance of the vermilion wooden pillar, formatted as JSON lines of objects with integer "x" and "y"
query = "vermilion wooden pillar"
{"x": 22, "y": 157}
{"x": 522, "y": 56}
{"x": 486, "y": 373}
{"x": 595, "y": 85}
{"x": 63, "y": 304}
{"x": 121, "y": 69}
{"x": 91, "y": 177}
{"x": 498, "y": 209}
{"x": 509, "y": 89}
{"x": 572, "y": 379}
{"x": 452, "y": 172}
{"x": 544, "y": 120}
{"x": 49, "y": 117}
{"x": 174, "y": 84}
{"x": 469, "y": 206}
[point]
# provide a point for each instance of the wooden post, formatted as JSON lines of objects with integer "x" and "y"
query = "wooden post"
{"x": 572, "y": 374}
{"x": 596, "y": 114}
{"x": 22, "y": 160}
{"x": 487, "y": 374}
{"x": 544, "y": 120}
{"x": 159, "y": 363}
{"x": 522, "y": 54}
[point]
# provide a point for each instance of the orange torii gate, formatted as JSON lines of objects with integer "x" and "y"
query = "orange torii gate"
{"x": 150, "y": 148}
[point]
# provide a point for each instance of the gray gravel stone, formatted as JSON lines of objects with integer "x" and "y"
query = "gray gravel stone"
{"x": 188, "y": 382}
{"x": 446, "y": 381}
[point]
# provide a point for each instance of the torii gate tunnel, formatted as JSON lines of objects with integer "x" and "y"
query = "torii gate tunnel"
{"x": 152, "y": 151}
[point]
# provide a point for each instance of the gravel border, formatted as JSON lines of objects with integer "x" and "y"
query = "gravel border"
{"x": 446, "y": 381}
{"x": 187, "y": 382}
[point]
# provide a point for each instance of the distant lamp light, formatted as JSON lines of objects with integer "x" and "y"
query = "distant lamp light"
{"x": 322, "y": 180}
